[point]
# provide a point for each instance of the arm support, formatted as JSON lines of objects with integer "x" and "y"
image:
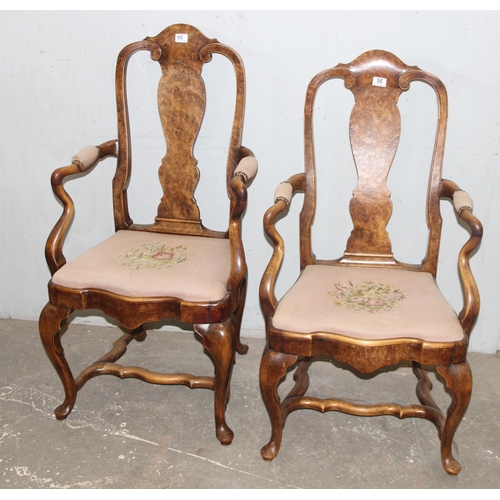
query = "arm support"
{"x": 83, "y": 161}
{"x": 244, "y": 173}
{"x": 283, "y": 197}
{"x": 463, "y": 206}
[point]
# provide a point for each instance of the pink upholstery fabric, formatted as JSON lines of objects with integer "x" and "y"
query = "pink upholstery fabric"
{"x": 143, "y": 264}
{"x": 247, "y": 166}
{"x": 283, "y": 192}
{"x": 461, "y": 201}
{"x": 86, "y": 157}
{"x": 368, "y": 303}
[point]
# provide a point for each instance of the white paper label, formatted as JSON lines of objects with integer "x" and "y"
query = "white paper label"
{"x": 379, "y": 82}
{"x": 181, "y": 38}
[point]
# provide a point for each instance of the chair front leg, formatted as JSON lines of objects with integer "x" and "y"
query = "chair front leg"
{"x": 459, "y": 380}
{"x": 51, "y": 320}
{"x": 273, "y": 368}
{"x": 219, "y": 340}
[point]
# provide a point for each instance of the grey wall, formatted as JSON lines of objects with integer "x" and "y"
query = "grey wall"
{"x": 57, "y": 95}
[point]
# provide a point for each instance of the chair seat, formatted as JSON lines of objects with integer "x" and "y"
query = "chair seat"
{"x": 147, "y": 264}
{"x": 368, "y": 303}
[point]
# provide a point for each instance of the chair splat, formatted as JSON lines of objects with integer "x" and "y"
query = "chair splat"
{"x": 374, "y": 131}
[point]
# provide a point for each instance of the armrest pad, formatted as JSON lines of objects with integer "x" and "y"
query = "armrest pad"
{"x": 284, "y": 192}
{"x": 86, "y": 158}
{"x": 247, "y": 168}
{"x": 462, "y": 201}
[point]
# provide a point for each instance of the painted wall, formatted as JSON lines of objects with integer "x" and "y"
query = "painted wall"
{"x": 57, "y": 95}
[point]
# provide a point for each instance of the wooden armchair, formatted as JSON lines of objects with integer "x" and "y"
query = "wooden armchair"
{"x": 366, "y": 308}
{"x": 175, "y": 267}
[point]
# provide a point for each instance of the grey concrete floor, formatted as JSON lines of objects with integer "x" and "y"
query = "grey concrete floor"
{"x": 130, "y": 434}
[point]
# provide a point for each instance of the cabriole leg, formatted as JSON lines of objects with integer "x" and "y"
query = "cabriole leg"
{"x": 219, "y": 340}
{"x": 273, "y": 368}
{"x": 459, "y": 380}
{"x": 51, "y": 320}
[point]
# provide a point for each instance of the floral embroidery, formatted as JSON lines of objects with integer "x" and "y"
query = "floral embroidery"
{"x": 154, "y": 256}
{"x": 369, "y": 296}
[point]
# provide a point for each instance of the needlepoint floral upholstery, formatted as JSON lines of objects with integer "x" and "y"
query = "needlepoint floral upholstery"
{"x": 368, "y": 303}
{"x": 144, "y": 264}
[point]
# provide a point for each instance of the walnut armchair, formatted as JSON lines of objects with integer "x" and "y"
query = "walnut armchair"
{"x": 366, "y": 308}
{"x": 174, "y": 267}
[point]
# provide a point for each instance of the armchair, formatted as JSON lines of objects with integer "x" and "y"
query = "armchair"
{"x": 365, "y": 308}
{"x": 174, "y": 267}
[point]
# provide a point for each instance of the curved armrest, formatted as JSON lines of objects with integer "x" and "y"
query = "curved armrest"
{"x": 83, "y": 161}
{"x": 464, "y": 206}
{"x": 283, "y": 196}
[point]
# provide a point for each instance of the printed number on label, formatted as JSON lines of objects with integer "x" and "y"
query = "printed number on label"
{"x": 379, "y": 82}
{"x": 181, "y": 38}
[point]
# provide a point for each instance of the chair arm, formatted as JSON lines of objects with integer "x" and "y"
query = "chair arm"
{"x": 282, "y": 199}
{"x": 83, "y": 161}
{"x": 464, "y": 206}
